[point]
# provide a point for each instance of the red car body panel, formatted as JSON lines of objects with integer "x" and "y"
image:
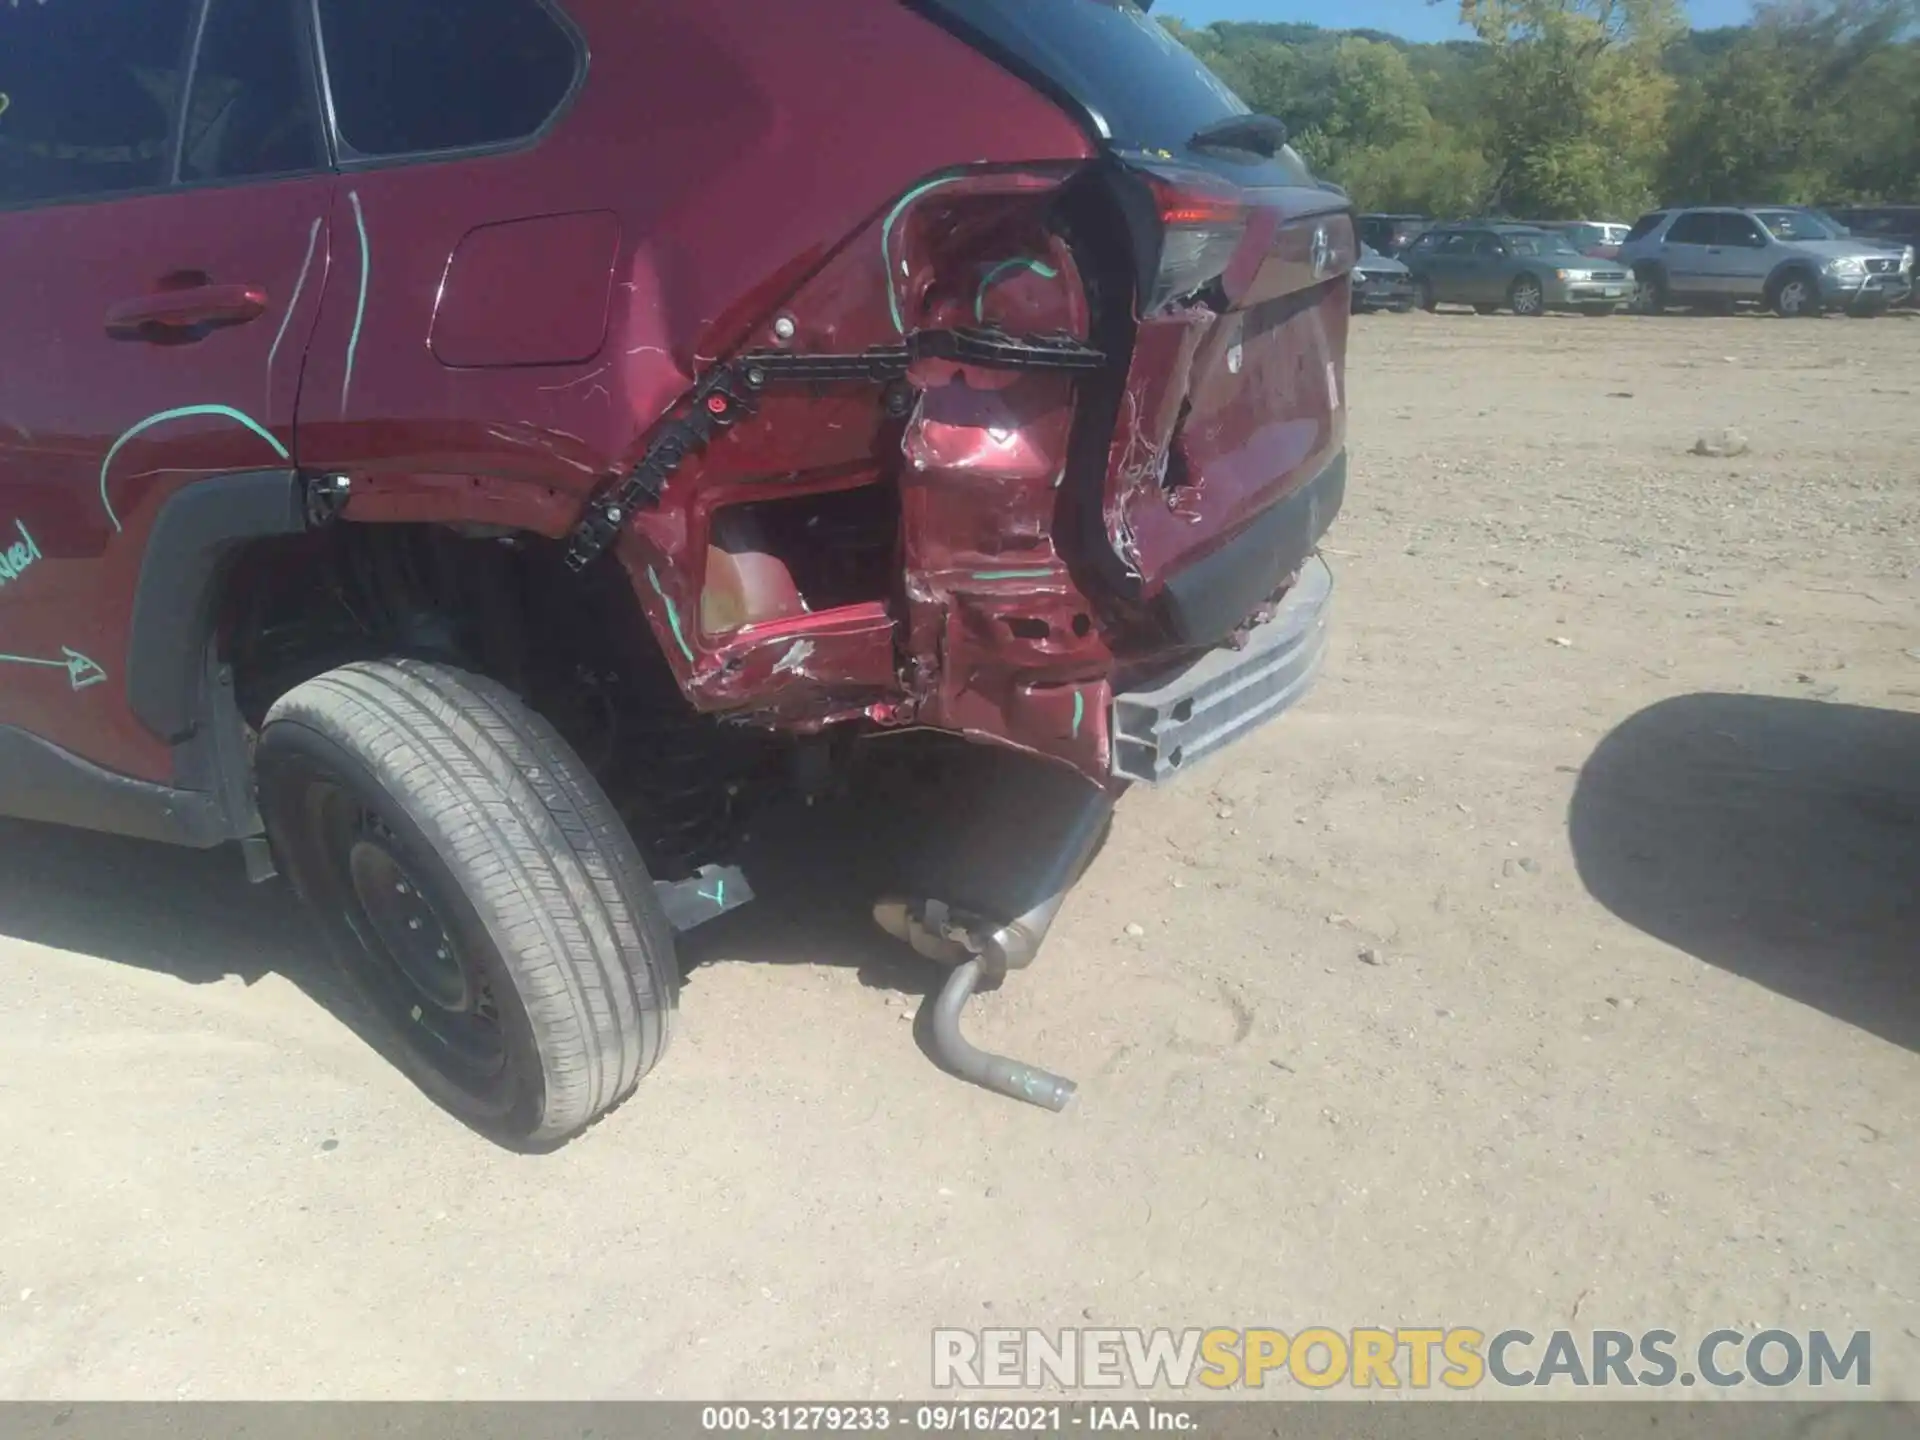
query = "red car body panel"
{"x": 92, "y": 438}
{"x": 1225, "y": 415}
{"x": 492, "y": 339}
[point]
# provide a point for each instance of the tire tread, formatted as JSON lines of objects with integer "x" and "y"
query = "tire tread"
{"x": 549, "y": 866}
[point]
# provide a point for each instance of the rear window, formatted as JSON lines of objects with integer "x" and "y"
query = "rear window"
{"x": 412, "y": 77}
{"x": 1645, "y": 226}
{"x": 1145, "y": 87}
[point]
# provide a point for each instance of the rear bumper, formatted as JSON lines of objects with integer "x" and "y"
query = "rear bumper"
{"x": 1226, "y": 693}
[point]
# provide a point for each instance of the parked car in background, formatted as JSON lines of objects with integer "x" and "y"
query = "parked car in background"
{"x": 1381, "y": 283}
{"x": 1390, "y": 234}
{"x": 1518, "y": 267}
{"x": 1786, "y": 258}
{"x": 1889, "y": 225}
{"x": 1596, "y": 239}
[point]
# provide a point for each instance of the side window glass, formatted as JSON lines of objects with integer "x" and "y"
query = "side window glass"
{"x": 1738, "y": 230}
{"x": 1488, "y": 245}
{"x": 416, "y": 76}
{"x": 1458, "y": 243}
{"x": 252, "y": 111}
{"x": 1692, "y": 229}
{"x": 88, "y": 96}
{"x": 1645, "y": 226}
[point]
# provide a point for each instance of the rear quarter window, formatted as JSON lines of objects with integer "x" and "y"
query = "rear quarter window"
{"x": 411, "y": 77}
{"x": 1645, "y": 226}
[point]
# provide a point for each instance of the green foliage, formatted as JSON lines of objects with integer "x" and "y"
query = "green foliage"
{"x": 1595, "y": 108}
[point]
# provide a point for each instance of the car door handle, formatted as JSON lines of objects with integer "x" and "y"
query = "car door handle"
{"x": 202, "y": 307}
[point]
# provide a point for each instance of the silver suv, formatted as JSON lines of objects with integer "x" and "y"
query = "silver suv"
{"x": 1789, "y": 259}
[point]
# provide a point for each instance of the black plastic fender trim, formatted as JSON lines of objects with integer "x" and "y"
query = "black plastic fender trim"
{"x": 40, "y": 781}
{"x": 194, "y": 539}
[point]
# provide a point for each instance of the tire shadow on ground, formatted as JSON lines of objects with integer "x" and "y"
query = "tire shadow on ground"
{"x": 187, "y": 913}
{"x": 192, "y": 914}
{"x": 1775, "y": 838}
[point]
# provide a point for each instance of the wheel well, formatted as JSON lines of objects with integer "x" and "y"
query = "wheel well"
{"x": 575, "y": 647}
{"x": 1790, "y": 268}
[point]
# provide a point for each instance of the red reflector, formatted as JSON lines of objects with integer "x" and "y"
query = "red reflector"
{"x": 717, "y": 404}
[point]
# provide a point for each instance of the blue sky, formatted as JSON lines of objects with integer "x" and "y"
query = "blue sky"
{"x": 1415, "y": 19}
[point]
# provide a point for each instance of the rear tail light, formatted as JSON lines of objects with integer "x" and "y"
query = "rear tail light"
{"x": 1201, "y": 228}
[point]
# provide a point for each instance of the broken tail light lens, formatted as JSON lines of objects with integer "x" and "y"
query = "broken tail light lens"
{"x": 1201, "y": 228}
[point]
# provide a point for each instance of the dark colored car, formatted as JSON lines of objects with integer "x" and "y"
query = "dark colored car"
{"x": 1382, "y": 283}
{"x": 1390, "y": 234}
{"x": 473, "y": 452}
{"x": 1492, "y": 266}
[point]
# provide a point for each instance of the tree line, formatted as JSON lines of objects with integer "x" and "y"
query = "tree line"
{"x": 1595, "y": 108}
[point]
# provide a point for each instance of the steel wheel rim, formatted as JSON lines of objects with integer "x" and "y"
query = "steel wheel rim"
{"x": 425, "y": 974}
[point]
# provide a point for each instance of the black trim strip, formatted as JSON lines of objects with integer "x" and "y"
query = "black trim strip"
{"x": 40, "y": 781}
{"x": 193, "y": 541}
{"x": 1208, "y": 600}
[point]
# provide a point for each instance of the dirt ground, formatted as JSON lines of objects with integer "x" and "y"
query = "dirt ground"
{"x": 1553, "y": 966}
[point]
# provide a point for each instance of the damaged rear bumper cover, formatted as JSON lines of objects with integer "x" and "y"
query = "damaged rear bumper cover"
{"x": 1226, "y": 693}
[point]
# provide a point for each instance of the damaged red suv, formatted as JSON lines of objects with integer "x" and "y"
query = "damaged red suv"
{"x": 469, "y": 452}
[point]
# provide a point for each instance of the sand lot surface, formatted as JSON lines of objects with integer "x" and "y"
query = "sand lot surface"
{"x": 1556, "y": 965}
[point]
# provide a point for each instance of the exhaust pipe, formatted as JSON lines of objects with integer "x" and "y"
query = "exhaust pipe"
{"x": 1022, "y": 852}
{"x": 970, "y": 1062}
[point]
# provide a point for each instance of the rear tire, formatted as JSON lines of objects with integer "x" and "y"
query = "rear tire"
{"x": 485, "y": 902}
{"x": 1650, "y": 298}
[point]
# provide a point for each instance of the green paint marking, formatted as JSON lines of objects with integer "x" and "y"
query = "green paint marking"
{"x": 299, "y": 287}
{"x": 886, "y": 244}
{"x": 673, "y": 615}
{"x": 81, "y": 672}
{"x": 226, "y": 412}
{"x": 360, "y": 310}
{"x": 1079, "y": 712}
{"x": 719, "y": 895}
{"x": 1045, "y": 272}
{"x": 1013, "y": 574}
